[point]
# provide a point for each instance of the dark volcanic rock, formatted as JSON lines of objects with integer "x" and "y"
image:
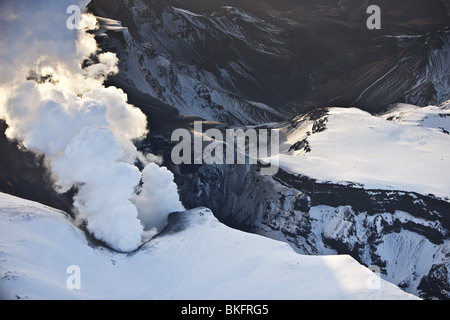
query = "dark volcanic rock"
{"x": 289, "y": 55}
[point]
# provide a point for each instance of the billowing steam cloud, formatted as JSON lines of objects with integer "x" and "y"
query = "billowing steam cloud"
{"x": 55, "y": 107}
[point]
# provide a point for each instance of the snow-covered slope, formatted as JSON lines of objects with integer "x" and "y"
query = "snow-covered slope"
{"x": 196, "y": 257}
{"x": 353, "y": 146}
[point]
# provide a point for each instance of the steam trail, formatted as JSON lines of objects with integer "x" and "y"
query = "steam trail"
{"x": 86, "y": 131}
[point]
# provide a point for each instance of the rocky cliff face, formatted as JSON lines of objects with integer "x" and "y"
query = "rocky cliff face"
{"x": 417, "y": 74}
{"x": 405, "y": 235}
{"x": 181, "y": 58}
{"x": 259, "y": 61}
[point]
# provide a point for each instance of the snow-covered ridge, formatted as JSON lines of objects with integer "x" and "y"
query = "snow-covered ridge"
{"x": 186, "y": 12}
{"x": 195, "y": 258}
{"x": 405, "y": 149}
{"x": 433, "y": 117}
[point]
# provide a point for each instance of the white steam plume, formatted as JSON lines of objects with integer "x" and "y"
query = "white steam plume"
{"x": 159, "y": 188}
{"x": 86, "y": 131}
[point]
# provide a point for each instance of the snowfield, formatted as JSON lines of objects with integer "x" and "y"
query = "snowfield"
{"x": 196, "y": 257}
{"x": 406, "y": 149}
